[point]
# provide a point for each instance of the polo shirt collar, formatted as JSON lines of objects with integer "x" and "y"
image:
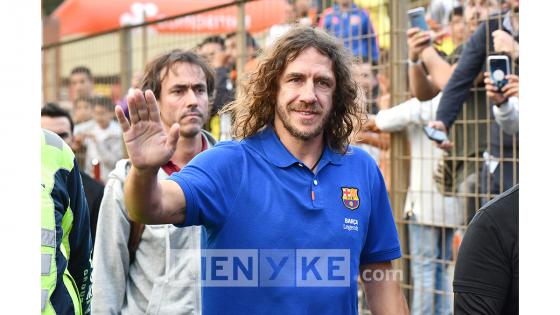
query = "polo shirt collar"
{"x": 277, "y": 154}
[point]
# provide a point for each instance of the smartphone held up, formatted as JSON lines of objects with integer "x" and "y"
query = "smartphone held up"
{"x": 498, "y": 67}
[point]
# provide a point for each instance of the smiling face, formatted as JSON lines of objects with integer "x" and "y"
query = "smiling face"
{"x": 184, "y": 98}
{"x": 305, "y": 96}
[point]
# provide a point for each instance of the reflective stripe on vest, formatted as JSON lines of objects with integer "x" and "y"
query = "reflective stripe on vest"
{"x": 55, "y": 156}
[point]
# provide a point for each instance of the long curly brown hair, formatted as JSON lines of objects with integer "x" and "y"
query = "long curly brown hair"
{"x": 254, "y": 107}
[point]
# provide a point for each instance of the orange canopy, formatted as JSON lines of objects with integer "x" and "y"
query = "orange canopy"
{"x": 93, "y": 16}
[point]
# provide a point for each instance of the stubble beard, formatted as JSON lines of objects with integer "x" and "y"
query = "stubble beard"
{"x": 294, "y": 131}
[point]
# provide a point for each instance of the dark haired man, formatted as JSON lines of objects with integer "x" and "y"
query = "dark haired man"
{"x": 291, "y": 196}
{"x": 213, "y": 50}
{"x": 81, "y": 83}
{"x": 149, "y": 269}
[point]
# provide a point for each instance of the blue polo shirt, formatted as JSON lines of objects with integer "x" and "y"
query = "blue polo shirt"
{"x": 279, "y": 238}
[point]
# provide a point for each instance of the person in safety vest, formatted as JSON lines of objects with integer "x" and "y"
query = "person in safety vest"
{"x": 65, "y": 233}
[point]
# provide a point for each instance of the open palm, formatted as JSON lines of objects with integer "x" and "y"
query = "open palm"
{"x": 147, "y": 143}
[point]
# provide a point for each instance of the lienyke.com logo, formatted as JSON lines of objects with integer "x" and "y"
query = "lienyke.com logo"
{"x": 264, "y": 267}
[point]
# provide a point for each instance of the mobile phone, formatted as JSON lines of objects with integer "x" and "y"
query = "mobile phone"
{"x": 417, "y": 18}
{"x": 435, "y": 134}
{"x": 498, "y": 66}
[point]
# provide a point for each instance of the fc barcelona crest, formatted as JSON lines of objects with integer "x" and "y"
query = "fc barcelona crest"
{"x": 350, "y": 198}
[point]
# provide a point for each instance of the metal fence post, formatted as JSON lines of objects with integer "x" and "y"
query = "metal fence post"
{"x": 399, "y": 145}
{"x": 125, "y": 56}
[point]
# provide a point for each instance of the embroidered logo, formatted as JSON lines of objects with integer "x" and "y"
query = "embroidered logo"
{"x": 350, "y": 198}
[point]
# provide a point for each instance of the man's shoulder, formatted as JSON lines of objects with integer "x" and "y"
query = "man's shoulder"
{"x": 222, "y": 152}
{"x": 502, "y": 210}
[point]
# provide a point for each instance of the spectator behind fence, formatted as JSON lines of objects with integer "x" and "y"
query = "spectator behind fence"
{"x": 65, "y": 235}
{"x": 156, "y": 268}
{"x": 370, "y": 139}
{"x": 58, "y": 120}
{"x": 232, "y": 52}
{"x": 350, "y": 23}
{"x": 497, "y": 174}
{"x": 103, "y": 142}
{"x": 294, "y": 117}
{"x": 506, "y": 102}
{"x": 379, "y": 16}
{"x": 432, "y": 215}
{"x": 429, "y": 72}
{"x": 212, "y": 49}
{"x": 83, "y": 116}
{"x": 83, "y": 110}
{"x": 81, "y": 83}
{"x": 487, "y": 269}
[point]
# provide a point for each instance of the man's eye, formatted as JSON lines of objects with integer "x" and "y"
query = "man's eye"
{"x": 324, "y": 83}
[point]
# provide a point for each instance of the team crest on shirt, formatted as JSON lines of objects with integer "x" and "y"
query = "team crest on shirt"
{"x": 350, "y": 198}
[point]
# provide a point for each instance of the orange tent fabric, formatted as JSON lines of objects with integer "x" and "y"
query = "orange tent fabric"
{"x": 93, "y": 16}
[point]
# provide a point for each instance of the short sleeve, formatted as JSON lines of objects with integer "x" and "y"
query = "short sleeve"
{"x": 382, "y": 241}
{"x": 210, "y": 183}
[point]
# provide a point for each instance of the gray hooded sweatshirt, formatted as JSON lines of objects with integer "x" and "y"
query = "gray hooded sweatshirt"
{"x": 165, "y": 275}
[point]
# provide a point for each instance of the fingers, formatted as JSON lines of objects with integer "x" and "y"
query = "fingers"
{"x": 122, "y": 118}
{"x": 437, "y": 124}
{"x": 511, "y": 90}
{"x": 445, "y": 145}
{"x": 173, "y": 137}
{"x": 142, "y": 107}
{"x": 411, "y": 31}
{"x": 153, "y": 109}
{"x": 132, "y": 107}
{"x": 512, "y": 78}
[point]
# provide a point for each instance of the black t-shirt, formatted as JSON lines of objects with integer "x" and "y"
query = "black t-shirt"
{"x": 487, "y": 270}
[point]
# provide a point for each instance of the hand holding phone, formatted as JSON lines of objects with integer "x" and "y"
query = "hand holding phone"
{"x": 435, "y": 134}
{"x": 498, "y": 67}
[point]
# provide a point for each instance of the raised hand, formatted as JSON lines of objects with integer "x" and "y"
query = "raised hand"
{"x": 147, "y": 143}
{"x": 504, "y": 42}
{"x": 417, "y": 41}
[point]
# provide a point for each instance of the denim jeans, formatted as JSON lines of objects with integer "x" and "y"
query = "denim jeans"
{"x": 428, "y": 244}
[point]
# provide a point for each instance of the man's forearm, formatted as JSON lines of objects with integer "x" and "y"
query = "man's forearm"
{"x": 384, "y": 296}
{"x": 422, "y": 88}
{"x": 143, "y": 195}
{"x": 440, "y": 71}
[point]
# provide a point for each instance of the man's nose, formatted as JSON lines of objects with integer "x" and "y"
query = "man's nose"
{"x": 190, "y": 99}
{"x": 308, "y": 92}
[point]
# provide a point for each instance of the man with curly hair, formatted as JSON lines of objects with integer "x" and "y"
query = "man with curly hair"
{"x": 292, "y": 212}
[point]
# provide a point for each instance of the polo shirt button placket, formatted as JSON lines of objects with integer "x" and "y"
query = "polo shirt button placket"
{"x": 315, "y": 194}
